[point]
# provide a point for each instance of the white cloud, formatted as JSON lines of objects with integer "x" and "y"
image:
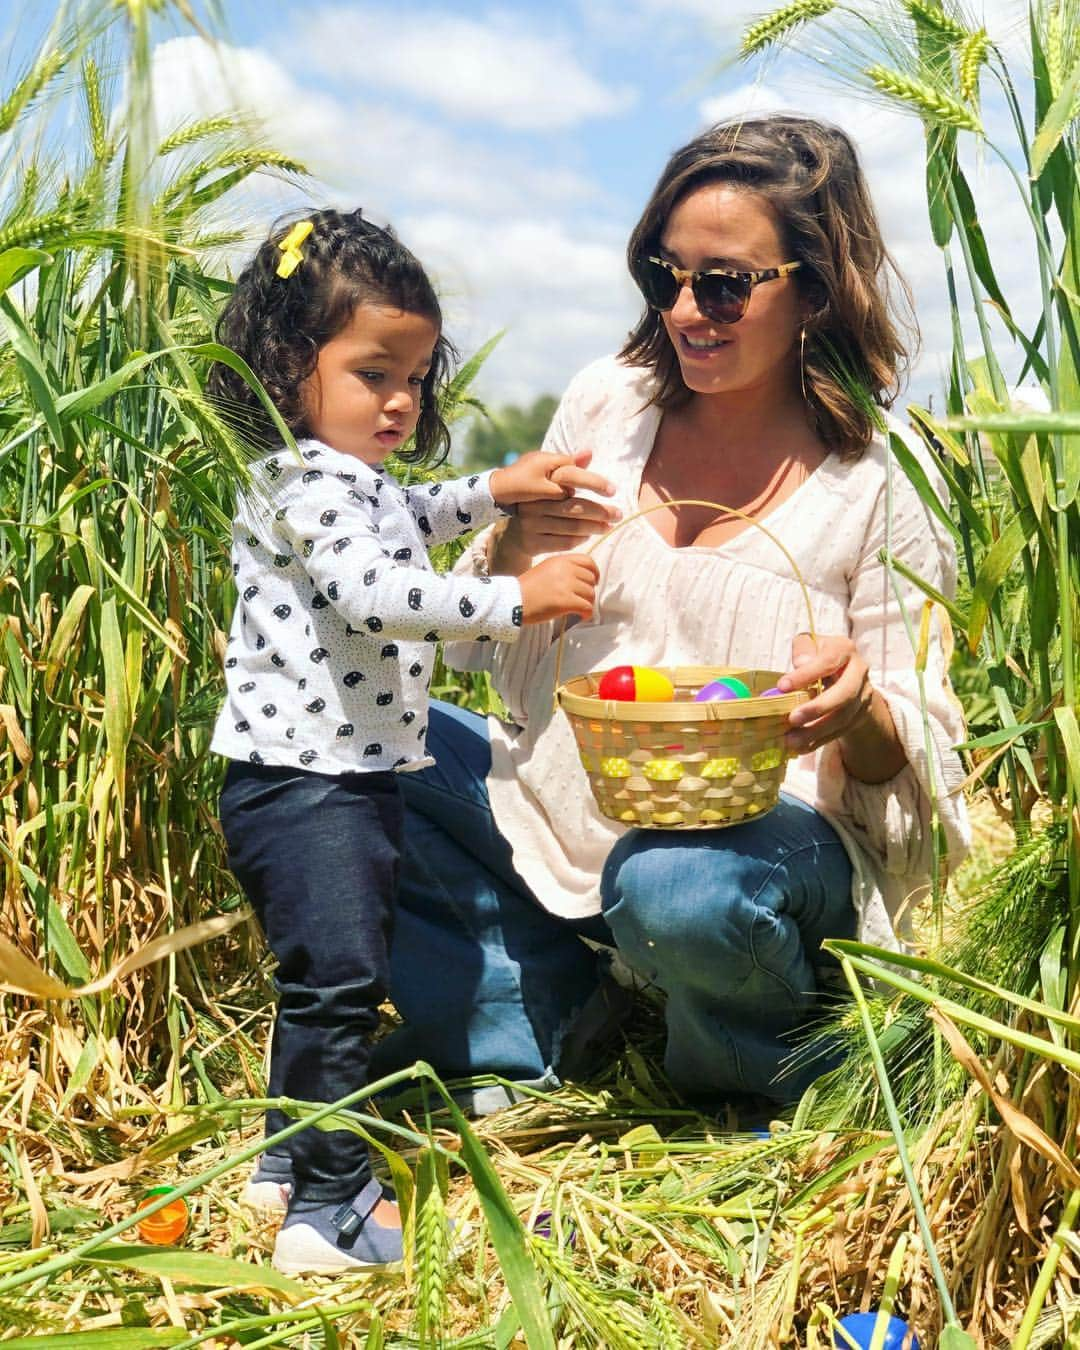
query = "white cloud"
{"x": 497, "y": 69}
{"x": 379, "y": 154}
{"x": 562, "y": 296}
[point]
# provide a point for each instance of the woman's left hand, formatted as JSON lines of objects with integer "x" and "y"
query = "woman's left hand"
{"x": 846, "y": 701}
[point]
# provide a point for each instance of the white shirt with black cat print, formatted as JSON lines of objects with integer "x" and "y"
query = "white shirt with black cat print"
{"x": 338, "y": 609}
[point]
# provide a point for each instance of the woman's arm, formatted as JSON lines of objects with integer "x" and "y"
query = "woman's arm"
{"x": 848, "y": 710}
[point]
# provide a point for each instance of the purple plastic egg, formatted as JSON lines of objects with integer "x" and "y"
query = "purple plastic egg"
{"x": 541, "y": 1226}
{"x": 717, "y": 692}
{"x": 774, "y": 692}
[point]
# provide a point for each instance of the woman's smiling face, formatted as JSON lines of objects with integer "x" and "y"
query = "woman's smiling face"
{"x": 720, "y": 225}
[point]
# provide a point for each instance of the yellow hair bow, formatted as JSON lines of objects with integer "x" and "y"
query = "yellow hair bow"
{"x": 291, "y": 257}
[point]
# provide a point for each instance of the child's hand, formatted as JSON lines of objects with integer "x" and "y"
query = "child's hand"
{"x": 562, "y": 585}
{"x": 537, "y": 476}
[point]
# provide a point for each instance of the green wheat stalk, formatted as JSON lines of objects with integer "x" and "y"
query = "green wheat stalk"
{"x": 774, "y": 26}
{"x": 972, "y": 57}
{"x": 928, "y": 100}
{"x": 933, "y": 17}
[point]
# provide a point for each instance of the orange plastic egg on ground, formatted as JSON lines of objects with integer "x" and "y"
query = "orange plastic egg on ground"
{"x": 168, "y": 1224}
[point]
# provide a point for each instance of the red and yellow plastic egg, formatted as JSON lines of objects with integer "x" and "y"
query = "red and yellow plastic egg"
{"x": 635, "y": 684}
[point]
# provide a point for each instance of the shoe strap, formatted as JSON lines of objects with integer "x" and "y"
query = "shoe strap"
{"x": 350, "y": 1217}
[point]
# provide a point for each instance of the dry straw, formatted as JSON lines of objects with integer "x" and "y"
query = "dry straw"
{"x": 684, "y": 765}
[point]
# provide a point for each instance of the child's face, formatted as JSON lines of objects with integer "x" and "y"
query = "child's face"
{"x": 363, "y": 397}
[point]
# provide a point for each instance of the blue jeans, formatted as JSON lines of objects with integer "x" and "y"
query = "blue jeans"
{"x": 727, "y": 922}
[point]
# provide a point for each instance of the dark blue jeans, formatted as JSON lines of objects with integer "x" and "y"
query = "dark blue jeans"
{"x": 729, "y": 923}
{"x": 318, "y": 858}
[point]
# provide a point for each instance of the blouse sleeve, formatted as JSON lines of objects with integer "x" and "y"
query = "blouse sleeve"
{"x": 511, "y": 666}
{"x": 894, "y": 818}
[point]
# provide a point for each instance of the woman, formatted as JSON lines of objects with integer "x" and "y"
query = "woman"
{"x": 751, "y": 381}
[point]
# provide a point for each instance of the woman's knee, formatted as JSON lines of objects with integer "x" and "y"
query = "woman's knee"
{"x": 672, "y": 894}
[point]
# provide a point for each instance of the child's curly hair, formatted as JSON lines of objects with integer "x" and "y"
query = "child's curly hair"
{"x": 278, "y": 324}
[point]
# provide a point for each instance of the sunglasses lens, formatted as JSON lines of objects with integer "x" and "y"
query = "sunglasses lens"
{"x": 656, "y": 284}
{"x": 722, "y": 299}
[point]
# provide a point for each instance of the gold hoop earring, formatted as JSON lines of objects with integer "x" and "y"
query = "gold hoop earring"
{"x": 802, "y": 362}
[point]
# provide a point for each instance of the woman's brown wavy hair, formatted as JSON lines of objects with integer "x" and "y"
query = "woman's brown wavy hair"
{"x": 809, "y": 174}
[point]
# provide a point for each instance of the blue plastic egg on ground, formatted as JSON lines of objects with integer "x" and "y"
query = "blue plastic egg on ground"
{"x": 860, "y": 1327}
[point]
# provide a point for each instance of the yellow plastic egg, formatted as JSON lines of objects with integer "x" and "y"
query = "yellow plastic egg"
{"x": 766, "y": 759}
{"x": 614, "y": 767}
{"x": 652, "y": 686}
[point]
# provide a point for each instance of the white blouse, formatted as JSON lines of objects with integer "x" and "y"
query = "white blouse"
{"x": 737, "y": 603}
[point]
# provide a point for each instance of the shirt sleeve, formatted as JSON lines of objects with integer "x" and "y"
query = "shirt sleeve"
{"x": 894, "y": 818}
{"x": 330, "y": 529}
{"x": 447, "y": 510}
{"x": 511, "y": 668}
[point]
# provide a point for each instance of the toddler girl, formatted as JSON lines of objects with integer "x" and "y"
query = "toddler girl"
{"x": 330, "y": 654}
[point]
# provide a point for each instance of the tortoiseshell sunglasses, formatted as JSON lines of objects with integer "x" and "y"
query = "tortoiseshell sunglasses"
{"x": 719, "y": 294}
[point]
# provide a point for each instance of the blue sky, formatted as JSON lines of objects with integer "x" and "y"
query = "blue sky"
{"x": 512, "y": 146}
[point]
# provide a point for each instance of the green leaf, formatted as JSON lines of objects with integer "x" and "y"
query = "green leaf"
{"x": 1070, "y": 736}
{"x": 956, "y": 1338}
{"x": 1054, "y": 976}
{"x": 117, "y": 704}
{"x": 33, "y": 370}
{"x": 940, "y": 165}
{"x": 15, "y": 263}
{"x": 1029, "y": 422}
{"x": 955, "y": 613}
{"x": 62, "y": 942}
{"x": 80, "y": 1075}
{"x": 1003, "y": 736}
{"x": 110, "y": 1338}
{"x": 1058, "y": 116}
{"x": 980, "y": 254}
{"x": 921, "y": 483}
{"x": 993, "y": 571}
{"x": 989, "y": 1026}
{"x": 60, "y": 1221}
{"x": 202, "y": 1268}
{"x": 506, "y": 1232}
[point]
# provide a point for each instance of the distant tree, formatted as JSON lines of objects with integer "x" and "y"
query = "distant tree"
{"x": 506, "y": 433}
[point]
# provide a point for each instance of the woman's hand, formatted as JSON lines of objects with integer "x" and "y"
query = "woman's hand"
{"x": 848, "y": 709}
{"x": 555, "y": 524}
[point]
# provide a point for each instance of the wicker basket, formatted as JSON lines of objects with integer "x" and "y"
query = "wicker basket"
{"x": 684, "y": 765}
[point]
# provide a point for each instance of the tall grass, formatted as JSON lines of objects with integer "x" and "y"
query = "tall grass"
{"x": 1008, "y": 969}
{"x": 116, "y": 482}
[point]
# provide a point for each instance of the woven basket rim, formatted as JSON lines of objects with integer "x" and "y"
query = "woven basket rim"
{"x": 574, "y": 697}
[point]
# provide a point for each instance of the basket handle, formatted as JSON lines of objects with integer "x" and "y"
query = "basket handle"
{"x": 692, "y": 501}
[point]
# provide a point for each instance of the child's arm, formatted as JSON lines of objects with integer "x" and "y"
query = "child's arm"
{"x": 331, "y": 530}
{"x": 443, "y": 511}
{"x": 456, "y": 506}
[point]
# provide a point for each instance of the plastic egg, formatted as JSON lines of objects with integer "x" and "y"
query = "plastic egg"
{"x": 774, "y": 692}
{"x": 635, "y": 684}
{"x": 860, "y": 1327}
{"x": 727, "y": 687}
{"x": 168, "y": 1224}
